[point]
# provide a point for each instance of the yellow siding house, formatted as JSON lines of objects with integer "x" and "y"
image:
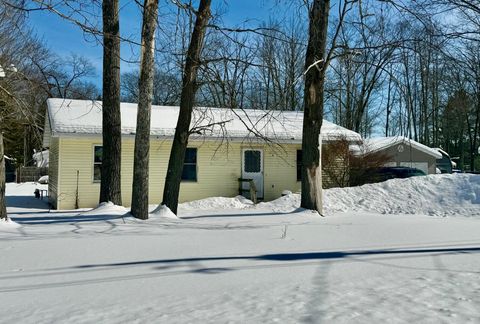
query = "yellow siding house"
{"x": 225, "y": 145}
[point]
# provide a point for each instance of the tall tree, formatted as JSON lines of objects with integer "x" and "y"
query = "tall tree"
{"x": 142, "y": 135}
{"x": 3, "y": 208}
{"x": 315, "y": 66}
{"x": 110, "y": 188}
{"x": 187, "y": 100}
{"x": 18, "y": 87}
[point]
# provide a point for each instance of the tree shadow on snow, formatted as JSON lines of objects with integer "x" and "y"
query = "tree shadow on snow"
{"x": 27, "y": 202}
{"x": 166, "y": 267}
{"x": 273, "y": 213}
{"x": 43, "y": 220}
{"x": 45, "y": 212}
{"x": 302, "y": 256}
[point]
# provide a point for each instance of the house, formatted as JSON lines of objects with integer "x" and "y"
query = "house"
{"x": 404, "y": 152}
{"x": 225, "y": 145}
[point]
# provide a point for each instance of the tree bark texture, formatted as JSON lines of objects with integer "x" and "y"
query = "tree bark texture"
{"x": 111, "y": 120}
{"x": 3, "y": 206}
{"x": 315, "y": 66}
{"x": 187, "y": 100}
{"x": 142, "y": 136}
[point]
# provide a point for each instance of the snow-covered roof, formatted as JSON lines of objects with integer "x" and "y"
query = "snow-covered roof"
{"x": 68, "y": 116}
{"x": 379, "y": 143}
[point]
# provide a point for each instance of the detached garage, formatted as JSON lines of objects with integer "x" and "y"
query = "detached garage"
{"x": 405, "y": 152}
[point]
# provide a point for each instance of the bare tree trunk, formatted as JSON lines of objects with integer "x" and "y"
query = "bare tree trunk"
{"x": 313, "y": 112}
{"x": 142, "y": 135}
{"x": 111, "y": 122}
{"x": 3, "y": 206}
{"x": 189, "y": 88}
{"x": 389, "y": 106}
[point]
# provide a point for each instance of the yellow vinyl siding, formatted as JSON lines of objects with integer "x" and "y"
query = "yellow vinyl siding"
{"x": 77, "y": 155}
{"x": 218, "y": 170}
{"x": 280, "y": 170}
{"x": 47, "y": 132}
{"x": 216, "y": 173}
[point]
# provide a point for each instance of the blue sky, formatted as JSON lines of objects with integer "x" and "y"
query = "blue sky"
{"x": 64, "y": 38}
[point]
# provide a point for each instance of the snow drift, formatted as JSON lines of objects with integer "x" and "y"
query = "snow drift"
{"x": 164, "y": 212}
{"x": 237, "y": 202}
{"x": 107, "y": 208}
{"x": 6, "y": 224}
{"x": 436, "y": 195}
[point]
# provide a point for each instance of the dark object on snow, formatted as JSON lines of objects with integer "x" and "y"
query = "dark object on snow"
{"x": 10, "y": 173}
{"x": 37, "y": 193}
{"x": 386, "y": 173}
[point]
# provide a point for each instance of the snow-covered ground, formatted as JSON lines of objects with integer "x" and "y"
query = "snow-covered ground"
{"x": 400, "y": 251}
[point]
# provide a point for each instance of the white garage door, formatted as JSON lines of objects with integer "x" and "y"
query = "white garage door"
{"x": 417, "y": 165}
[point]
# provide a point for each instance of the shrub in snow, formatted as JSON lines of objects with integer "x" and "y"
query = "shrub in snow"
{"x": 345, "y": 167}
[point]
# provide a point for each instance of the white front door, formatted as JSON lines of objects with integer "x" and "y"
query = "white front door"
{"x": 252, "y": 168}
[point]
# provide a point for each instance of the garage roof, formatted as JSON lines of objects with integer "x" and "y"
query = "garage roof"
{"x": 376, "y": 144}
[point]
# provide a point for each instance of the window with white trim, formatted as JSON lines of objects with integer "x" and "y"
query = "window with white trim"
{"x": 97, "y": 163}
{"x": 299, "y": 165}
{"x": 189, "y": 172}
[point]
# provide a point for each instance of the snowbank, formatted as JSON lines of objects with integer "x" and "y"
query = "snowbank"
{"x": 107, "y": 208}
{"x": 163, "y": 211}
{"x": 437, "y": 195}
{"x": 284, "y": 204}
{"x": 237, "y": 202}
{"x": 8, "y": 224}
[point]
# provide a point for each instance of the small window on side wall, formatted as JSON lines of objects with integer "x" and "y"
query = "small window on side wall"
{"x": 97, "y": 163}
{"x": 189, "y": 172}
{"x": 299, "y": 165}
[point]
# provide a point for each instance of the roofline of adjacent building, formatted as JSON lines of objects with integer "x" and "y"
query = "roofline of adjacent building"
{"x": 421, "y": 147}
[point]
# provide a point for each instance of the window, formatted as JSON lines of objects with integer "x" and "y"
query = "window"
{"x": 189, "y": 172}
{"x": 299, "y": 165}
{"x": 97, "y": 163}
{"x": 253, "y": 161}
